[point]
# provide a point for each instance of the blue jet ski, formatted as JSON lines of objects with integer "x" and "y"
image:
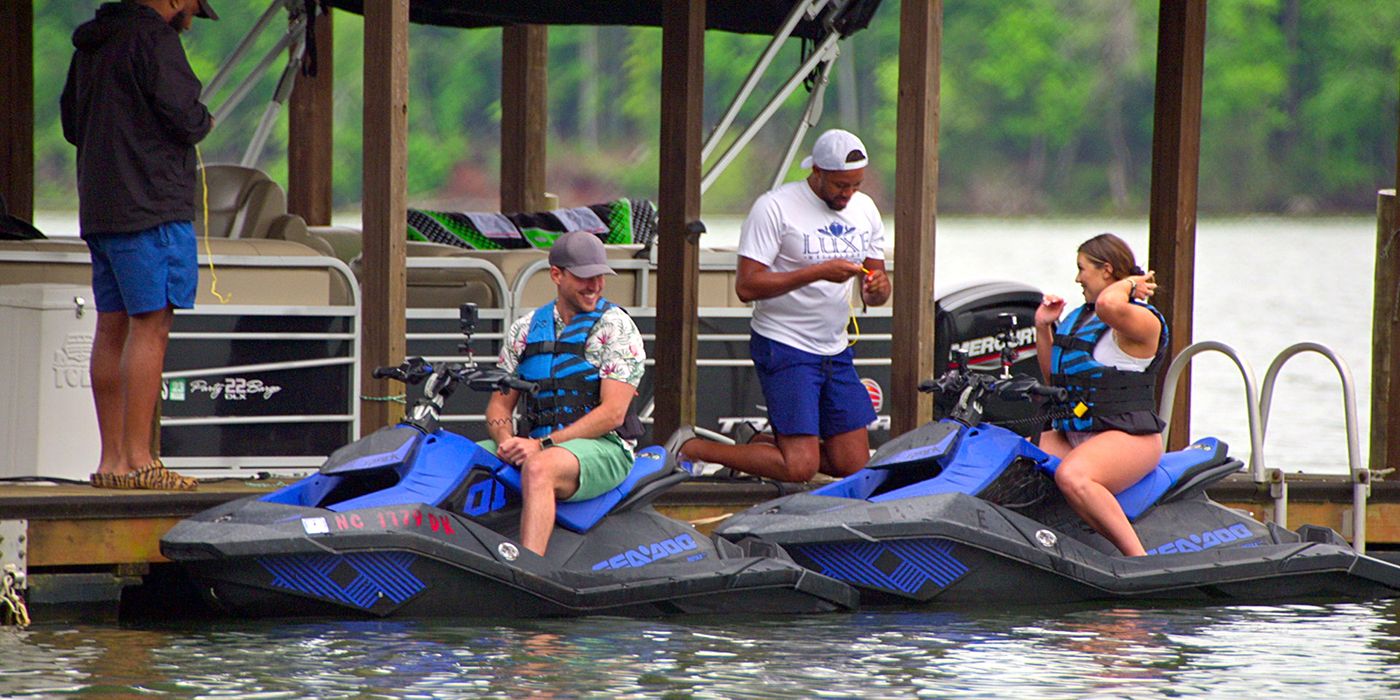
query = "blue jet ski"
{"x": 416, "y": 521}
{"x": 964, "y": 512}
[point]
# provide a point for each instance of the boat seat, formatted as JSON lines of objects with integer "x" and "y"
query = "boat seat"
{"x": 444, "y": 287}
{"x": 245, "y": 203}
{"x": 1179, "y": 474}
{"x": 580, "y": 516}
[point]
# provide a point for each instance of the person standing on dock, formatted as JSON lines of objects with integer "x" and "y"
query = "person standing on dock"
{"x": 577, "y": 432}
{"x": 1106, "y": 353}
{"x": 131, "y": 106}
{"x": 800, "y": 249}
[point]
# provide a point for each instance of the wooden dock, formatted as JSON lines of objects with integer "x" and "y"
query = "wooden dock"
{"x": 81, "y": 544}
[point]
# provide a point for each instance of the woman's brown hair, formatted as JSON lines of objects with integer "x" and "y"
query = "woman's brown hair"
{"x": 1109, "y": 249}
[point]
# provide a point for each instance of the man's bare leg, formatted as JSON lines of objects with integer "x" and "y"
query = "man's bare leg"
{"x": 108, "y": 392}
{"x": 545, "y": 477}
{"x": 142, "y": 363}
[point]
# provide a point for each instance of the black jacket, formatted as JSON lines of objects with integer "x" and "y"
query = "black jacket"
{"x": 131, "y": 106}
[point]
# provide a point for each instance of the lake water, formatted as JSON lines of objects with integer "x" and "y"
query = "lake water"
{"x": 1341, "y": 650}
{"x": 1261, "y": 285}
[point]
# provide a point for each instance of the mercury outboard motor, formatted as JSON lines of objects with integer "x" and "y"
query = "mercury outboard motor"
{"x": 989, "y": 327}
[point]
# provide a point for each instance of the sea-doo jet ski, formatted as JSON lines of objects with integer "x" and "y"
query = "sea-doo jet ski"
{"x": 416, "y": 521}
{"x": 964, "y": 512}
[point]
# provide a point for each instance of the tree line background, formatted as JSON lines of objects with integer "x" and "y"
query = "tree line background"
{"x": 1046, "y": 107}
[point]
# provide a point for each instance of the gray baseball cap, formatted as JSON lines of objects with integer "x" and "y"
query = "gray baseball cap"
{"x": 581, "y": 253}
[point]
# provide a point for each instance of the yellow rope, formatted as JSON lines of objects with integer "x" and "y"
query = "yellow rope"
{"x": 13, "y": 611}
{"x": 208, "y": 252}
{"x": 855, "y": 322}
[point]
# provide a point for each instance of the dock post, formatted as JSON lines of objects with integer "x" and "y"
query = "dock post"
{"x": 915, "y": 212}
{"x": 1176, "y": 155}
{"x": 678, "y": 206}
{"x": 524, "y": 129}
{"x": 17, "y": 119}
{"x": 310, "y": 125}
{"x": 385, "y": 208}
{"x": 1385, "y": 332}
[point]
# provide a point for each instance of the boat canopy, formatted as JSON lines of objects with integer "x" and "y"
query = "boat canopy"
{"x": 740, "y": 16}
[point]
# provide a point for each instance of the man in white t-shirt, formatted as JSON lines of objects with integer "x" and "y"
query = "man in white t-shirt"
{"x": 801, "y": 248}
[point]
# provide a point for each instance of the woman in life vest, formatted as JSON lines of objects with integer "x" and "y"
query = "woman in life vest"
{"x": 1107, "y": 354}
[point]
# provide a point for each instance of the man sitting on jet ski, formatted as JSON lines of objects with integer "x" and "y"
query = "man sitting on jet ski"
{"x": 577, "y": 433}
{"x": 1107, "y": 354}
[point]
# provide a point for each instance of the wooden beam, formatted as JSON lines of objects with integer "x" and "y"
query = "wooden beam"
{"x": 309, "y": 131}
{"x": 524, "y": 116}
{"x": 1176, "y": 148}
{"x": 17, "y": 117}
{"x": 385, "y": 208}
{"x": 678, "y": 234}
{"x": 1385, "y": 336}
{"x": 915, "y": 211}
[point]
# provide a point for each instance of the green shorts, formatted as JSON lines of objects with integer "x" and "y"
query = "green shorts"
{"x": 603, "y": 463}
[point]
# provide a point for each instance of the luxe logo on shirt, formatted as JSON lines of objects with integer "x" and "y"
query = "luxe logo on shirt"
{"x": 835, "y": 240}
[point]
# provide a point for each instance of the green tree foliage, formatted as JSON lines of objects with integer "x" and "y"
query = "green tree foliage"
{"x": 1046, "y": 106}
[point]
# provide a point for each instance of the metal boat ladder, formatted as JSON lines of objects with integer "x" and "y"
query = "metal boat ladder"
{"x": 1258, "y": 402}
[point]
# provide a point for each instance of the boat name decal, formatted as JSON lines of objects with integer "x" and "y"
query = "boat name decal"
{"x": 648, "y": 553}
{"x": 234, "y": 388}
{"x": 406, "y": 517}
{"x": 1205, "y": 540}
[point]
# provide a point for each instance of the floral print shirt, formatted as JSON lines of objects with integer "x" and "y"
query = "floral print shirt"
{"x": 614, "y": 346}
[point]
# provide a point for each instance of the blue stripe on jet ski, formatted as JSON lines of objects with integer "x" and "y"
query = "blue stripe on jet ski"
{"x": 373, "y": 573}
{"x": 911, "y": 563}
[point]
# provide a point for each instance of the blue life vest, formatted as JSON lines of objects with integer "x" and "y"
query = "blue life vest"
{"x": 569, "y": 386}
{"x": 1103, "y": 397}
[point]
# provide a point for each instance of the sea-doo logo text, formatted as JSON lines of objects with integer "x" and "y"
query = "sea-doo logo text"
{"x": 648, "y": 553}
{"x": 1205, "y": 540}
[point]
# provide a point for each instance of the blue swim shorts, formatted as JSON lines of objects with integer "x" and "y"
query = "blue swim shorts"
{"x": 145, "y": 271}
{"x": 810, "y": 394}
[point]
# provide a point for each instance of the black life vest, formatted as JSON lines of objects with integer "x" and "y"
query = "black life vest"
{"x": 1104, "y": 397}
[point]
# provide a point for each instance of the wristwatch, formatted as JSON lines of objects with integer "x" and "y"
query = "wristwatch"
{"x": 546, "y": 442}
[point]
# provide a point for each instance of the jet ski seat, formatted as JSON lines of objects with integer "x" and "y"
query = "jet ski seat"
{"x": 1177, "y": 476}
{"x": 650, "y": 475}
{"x": 375, "y": 472}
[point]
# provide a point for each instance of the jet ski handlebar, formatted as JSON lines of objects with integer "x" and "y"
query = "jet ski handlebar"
{"x": 972, "y": 388}
{"x": 415, "y": 370}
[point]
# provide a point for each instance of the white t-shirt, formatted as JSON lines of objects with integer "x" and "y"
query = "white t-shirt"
{"x": 790, "y": 228}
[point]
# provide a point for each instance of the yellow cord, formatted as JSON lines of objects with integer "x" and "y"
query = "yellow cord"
{"x": 208, "y": 252}
{"x": 855, "y": 322}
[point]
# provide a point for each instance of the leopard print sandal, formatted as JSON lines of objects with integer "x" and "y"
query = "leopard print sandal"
{"x": 155, "y": 477}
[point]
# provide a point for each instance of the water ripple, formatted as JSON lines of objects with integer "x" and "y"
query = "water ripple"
{"x": 1341, "y": 650}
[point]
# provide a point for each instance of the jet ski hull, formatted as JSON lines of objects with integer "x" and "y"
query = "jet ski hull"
{"x": 258, "y": 559}
{"x": 956, "y": 549}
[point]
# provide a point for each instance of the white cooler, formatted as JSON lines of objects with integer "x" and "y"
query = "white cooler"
{"x": 48, "y": 426}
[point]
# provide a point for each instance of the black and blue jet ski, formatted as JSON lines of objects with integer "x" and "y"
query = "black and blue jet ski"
{"x": 960, "y": 511}
{"x": 417, "y": 521}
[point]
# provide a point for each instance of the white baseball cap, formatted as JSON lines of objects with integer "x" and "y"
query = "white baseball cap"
{"x": 837, "y": 149}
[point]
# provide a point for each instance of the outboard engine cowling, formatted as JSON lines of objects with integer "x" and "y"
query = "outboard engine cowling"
{"x": 969, "y": 318}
